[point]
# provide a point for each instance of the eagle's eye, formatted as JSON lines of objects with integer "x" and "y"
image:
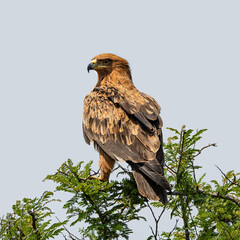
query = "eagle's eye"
{"x": 106, "y": 61}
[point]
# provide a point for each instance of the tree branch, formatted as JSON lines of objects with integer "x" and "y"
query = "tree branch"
{"x": 181, "y": 149}
{"x": 200, "y": 151}
{"x": 211, "y": 194}
{"x": 34, "y": 224}
{"x": 73, "y": 237}
{"x": 173, "y": 229}
{"x": 171, "y": 170}
{"x": 193, "y": 222}
{"x": 185, "y": 218}
{"x": 234, "y": 183}
{"x": 155, "y": 234}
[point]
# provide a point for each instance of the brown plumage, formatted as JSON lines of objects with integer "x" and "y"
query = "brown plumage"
{"x": 124, "y": 125}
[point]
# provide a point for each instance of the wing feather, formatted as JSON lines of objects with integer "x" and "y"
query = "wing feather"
{"x": 142, "y": 106}
{"x": 116, "y": 132}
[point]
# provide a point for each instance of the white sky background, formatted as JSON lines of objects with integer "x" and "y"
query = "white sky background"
{"x": 186, "y": 54}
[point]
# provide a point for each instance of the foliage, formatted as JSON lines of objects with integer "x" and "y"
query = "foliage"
{"x": 106, "y": 208}
{"x": 208, "y": 210}
{"x": 30, "y": 220}
{"x": 201, "y": 210}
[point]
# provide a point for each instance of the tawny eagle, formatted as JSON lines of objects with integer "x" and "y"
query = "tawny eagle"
{"x": 124, "y": 125}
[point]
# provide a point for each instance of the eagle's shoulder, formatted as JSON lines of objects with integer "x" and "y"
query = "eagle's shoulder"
{"x": 103, "y": 119}
{"x": 97, "y": 106}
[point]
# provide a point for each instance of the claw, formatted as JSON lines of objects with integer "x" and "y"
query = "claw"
{"x": 93, "y": 177}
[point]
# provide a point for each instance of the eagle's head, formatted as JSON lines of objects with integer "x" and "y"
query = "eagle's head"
{"x": 105, "y": 63}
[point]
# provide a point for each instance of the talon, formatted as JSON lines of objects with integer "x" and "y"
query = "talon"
{"x": 99, "y": 178}
{"x": 93, "y": 177}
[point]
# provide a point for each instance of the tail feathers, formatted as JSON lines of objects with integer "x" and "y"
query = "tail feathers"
{"x": 149, "y": 189}
{"x": 150, "y": 180}
{"x": 154, "y": 171}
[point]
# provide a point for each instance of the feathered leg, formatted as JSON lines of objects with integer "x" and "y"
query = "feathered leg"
{"x": 106, "y": 166}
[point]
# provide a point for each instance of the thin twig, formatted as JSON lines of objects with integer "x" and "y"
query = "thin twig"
{"x": 173, "y": 229}
{"x": 200, "y": 151}
{"x": 155, "y": 234}
{"x": 95, "y": 173}
{"x": 194, "y": 174}
{"x": 185, "y": 218}
{"x": 234, "y": 183}
{"x": 76, "y": 175}
{"x": 171, "y": 170}
{"x": 9, "y": 228}
{"x": 64, "y": 236}
{"x": 115, "y": 169}
{"x": 152, "y": 231}
{"x": 211, "y": 194}
{"x": 193, "y": 222}
{"x": 124, "y": 169}
{"x": 226, "y": 231}
{"x": 70, "y": 234}
{"x": 218, "y": 195}
{"x": 30, "y": 234}
{"x": 83, "y": 179}
{"x": 20, "y": 227}
{"x": 177, "y": 193}
{"x": 181, "y": 149}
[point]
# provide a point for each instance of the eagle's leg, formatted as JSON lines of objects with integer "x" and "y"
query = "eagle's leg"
{"x": 106, "y": 165}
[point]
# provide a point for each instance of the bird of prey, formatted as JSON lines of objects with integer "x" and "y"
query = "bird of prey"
{"x": 124, "y": 125}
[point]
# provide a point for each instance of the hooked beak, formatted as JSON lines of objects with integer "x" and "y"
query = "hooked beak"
{"x": 91, "y": 65}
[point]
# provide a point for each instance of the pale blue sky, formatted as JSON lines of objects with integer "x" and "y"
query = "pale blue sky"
{"x": 186, "y": 54}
